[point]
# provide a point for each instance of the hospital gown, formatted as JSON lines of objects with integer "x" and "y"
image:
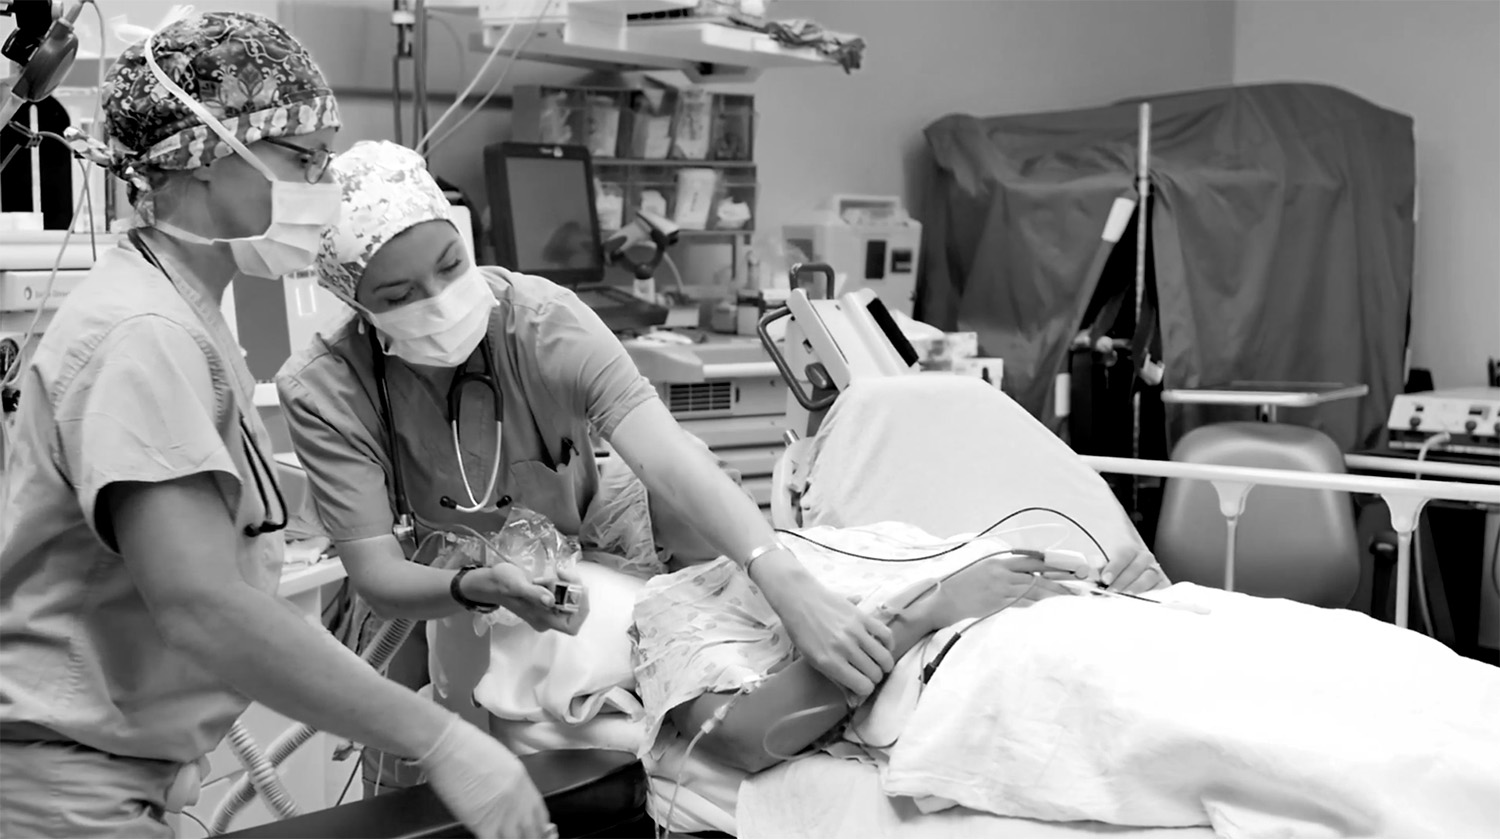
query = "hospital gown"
{"x": 709, "y": 629}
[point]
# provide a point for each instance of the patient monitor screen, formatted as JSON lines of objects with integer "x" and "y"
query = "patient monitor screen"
{"x": 549, "y": 201}
{"x": 892, "y": 332}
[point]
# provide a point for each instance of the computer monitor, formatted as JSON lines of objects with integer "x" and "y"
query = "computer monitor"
{"x": 542, "y": 215}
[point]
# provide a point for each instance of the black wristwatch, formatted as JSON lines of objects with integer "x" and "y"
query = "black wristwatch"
{"x": 458, "y": 594}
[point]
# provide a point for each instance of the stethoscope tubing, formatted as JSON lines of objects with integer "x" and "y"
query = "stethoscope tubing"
{"x": 461, "y": 379}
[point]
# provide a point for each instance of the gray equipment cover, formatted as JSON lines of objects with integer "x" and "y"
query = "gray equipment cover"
{"x": 1281, "y": 228}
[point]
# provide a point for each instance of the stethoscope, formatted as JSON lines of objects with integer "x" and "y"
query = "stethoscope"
{"x": 461, "y": 379}
{"x": 260, "y": 468}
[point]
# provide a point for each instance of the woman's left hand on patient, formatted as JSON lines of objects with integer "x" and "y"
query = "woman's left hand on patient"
{"x": 849, "y": 647}
{"x": 1133, "y": 571}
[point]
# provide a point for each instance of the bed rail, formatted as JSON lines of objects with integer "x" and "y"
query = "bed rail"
{"x": 1405, "y": 497}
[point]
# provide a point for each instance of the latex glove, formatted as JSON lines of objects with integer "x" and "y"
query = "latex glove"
{"x": 484, "y": 785}
{"x": 851, "y": 648}
{"x": 1133, "y": 571}
{"x": 506, "y": 585}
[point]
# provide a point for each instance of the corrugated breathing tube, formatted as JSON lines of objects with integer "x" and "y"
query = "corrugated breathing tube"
{"x": 260, "y": 776}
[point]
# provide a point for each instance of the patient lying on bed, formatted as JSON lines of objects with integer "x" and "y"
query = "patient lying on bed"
{"x": 709, "y": 646}
{"x": 1245, "y": 713}
{"x": 707, "y": 639}
{"x": 1262, "y": 717}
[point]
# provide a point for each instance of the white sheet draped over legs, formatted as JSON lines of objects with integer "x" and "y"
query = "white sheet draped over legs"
{"x": 1263, "y": 718}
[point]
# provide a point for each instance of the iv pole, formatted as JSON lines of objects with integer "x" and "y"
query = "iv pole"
{"x": 1143, "y": 191}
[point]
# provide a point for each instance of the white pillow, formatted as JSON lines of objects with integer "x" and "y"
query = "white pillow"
{"x": 965, "y": 455}
{"x": 551, "y": 676}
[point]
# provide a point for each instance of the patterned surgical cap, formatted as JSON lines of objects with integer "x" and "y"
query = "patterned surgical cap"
{"x": 243, "y": 68}
{"x": 387, "y": 190}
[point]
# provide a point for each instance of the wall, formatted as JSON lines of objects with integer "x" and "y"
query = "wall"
{"x": 822, "y": 131}
{"x": 1439, "y": 62}
{"x": 146, "y": 13}
{"x": 353, "y": 41}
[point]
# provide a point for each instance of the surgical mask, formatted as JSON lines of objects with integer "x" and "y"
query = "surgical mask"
{"x": 441, "y": 331}
{"x": 299, "y": 210}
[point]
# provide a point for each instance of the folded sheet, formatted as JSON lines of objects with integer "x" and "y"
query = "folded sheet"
{"x": 546, "y": 676}
{"x": 1263, "y": 718}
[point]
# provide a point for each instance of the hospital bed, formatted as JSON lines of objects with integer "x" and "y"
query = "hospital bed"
{"x": 830, "y": 345}
{"x": 884, "y": 444}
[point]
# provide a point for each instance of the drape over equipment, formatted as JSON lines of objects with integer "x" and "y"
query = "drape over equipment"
{"x": 1280, "y": 244}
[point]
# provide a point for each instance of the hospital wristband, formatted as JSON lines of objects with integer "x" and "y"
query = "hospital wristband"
{"x": 769, "y": 548}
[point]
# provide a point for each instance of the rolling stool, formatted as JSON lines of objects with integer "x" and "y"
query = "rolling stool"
{"x": 1302, "y": 543}
{"x": 589, "y": 793}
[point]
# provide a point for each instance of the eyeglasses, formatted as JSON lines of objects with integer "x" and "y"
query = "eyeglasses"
{"x": 314, "y": 161}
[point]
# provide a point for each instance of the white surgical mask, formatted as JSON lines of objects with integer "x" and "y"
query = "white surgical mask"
{"x": 299, "y": 210}
{"x": 441, "y": 331}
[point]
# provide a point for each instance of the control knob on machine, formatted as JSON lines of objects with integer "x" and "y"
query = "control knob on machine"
{"x": 1471, "y": 425}
{"x": 1415, "y": 422}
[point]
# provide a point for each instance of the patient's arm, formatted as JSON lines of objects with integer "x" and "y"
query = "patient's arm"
{"x": 848, "y": 647}
{"x": 740, "y": 740}
{"x": 1134, "y": 570}
{"x": 979, "y": 589}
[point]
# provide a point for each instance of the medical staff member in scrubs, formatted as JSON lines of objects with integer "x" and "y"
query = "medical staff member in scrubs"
{"x": 431, "y": 328}
{"x": 140, "y": 550}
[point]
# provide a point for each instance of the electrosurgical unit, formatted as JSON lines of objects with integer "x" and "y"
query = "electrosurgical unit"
{"x": 1469, "y": 416}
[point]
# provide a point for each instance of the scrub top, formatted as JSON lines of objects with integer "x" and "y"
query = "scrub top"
{"x": 136, "y": 379}
{"x": 562, "y": 377}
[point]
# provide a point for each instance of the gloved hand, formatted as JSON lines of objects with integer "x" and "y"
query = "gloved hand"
{"x": 484, "y": 785}
{"x": 1133, "y": 571}
{"x": 507, "y": 585}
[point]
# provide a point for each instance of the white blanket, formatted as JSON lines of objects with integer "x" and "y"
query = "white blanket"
{"x": 1263, "y": 718}
{"x": 549, "y": 676}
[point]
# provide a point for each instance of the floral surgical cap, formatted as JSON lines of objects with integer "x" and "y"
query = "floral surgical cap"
{"x": 387, "y": 190}
{"x": 243, "y": 68}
